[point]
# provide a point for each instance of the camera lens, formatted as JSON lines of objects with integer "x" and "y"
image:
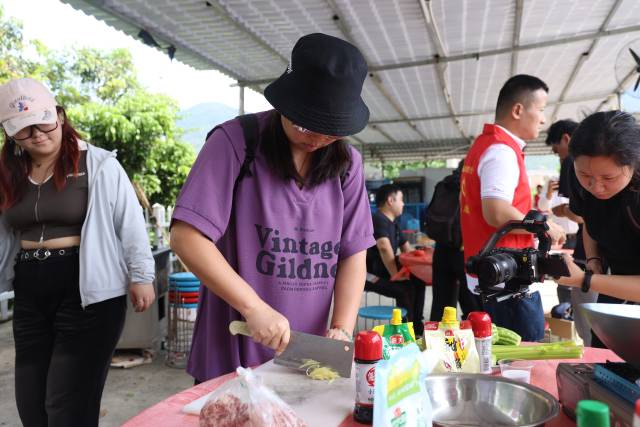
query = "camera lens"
{"x": 497, "y": 268}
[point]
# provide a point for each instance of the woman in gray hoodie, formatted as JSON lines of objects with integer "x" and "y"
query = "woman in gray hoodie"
{"x": 73, "y": 243}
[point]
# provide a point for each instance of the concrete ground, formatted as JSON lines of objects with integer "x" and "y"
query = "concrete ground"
{"x": 129, "y": 391}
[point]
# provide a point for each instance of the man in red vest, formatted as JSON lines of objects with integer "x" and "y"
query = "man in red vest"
{"x": 495, "y": 190}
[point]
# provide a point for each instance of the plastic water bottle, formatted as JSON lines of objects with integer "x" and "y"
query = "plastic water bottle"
{"x": 481, "y": 325}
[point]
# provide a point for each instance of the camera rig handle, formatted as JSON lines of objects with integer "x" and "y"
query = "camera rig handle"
{"x": 534, "y": 222}
{"x": 518, "y": 287}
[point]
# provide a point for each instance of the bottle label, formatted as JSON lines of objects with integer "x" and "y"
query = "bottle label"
{"x": 396, "y": 339}
{"x": 483, "y": 345}
{"x": 365, "y": 383}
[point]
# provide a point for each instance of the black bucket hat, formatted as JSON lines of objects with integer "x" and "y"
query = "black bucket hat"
{"x": 320, "y": 89}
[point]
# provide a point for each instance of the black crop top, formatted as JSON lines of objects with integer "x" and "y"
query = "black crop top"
{"x": 45, "y": 213}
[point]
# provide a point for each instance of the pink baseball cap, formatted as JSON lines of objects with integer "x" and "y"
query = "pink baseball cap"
{"x": 25, "y": 102}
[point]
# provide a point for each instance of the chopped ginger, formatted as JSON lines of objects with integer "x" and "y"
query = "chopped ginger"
{"x": 315, "y": 371}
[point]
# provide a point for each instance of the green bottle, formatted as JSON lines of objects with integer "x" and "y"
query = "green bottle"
{"x": 591, "y": 413}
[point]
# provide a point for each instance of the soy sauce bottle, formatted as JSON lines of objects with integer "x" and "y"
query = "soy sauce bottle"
{"x": 368, "y": 351}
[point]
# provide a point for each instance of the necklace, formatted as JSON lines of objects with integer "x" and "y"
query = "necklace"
{"x": 300, "y": 179}
{"x": 46, "y": 174}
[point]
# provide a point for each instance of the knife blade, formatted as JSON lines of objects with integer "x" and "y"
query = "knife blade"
{"x": 334, "y": 354}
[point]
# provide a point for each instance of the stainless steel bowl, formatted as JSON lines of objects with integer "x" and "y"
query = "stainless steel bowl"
{"x": 617, "y": 325}
{"x": 482, "y": 400}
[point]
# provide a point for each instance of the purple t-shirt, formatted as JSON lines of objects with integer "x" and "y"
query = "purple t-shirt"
{"x": 284, "y": 241}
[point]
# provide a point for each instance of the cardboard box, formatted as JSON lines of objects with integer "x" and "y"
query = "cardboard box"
{"x": 564, "y": 329}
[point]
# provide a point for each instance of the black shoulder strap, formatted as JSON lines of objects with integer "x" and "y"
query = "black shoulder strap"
{"x": 250, "y": 128}
{"x": 249, "y": 125}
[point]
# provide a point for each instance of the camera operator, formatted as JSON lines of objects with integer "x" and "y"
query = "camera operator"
{"x": 495, "y": 189}
{"x": 605, "y": 193}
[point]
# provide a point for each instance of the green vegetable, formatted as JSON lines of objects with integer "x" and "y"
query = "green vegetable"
{"x": 507, "y": 337}
{"x": 559, "y": 350}
{"x": 494, "y": 334}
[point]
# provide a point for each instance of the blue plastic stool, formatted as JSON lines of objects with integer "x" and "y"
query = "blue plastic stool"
{"x": 378, "y": 312}
{"x": 183, "y": 276}
{"x": 184, "y": 282}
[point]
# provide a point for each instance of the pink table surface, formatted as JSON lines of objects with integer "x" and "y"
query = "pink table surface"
{"x": 168, "y": 412}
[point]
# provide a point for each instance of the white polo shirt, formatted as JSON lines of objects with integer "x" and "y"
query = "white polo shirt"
{"x": 499, "y": 174}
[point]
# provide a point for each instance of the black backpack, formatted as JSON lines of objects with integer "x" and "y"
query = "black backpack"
{"x": 250, "y": 130}
{"x": 443, "y": 213}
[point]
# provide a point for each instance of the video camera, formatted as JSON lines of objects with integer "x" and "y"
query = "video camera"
{"x": 516, "y": 268}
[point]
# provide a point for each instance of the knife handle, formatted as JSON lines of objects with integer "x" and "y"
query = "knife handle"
{"x": 238, "y": 327}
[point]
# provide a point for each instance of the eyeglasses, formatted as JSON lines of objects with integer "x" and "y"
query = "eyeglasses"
{"x": 27, "y": 132}
{"x": 312, "y": 133}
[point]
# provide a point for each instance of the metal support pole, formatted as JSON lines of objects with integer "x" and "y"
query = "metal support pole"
{"x": 619, "y": 98}
{"x": 241, "y": 109}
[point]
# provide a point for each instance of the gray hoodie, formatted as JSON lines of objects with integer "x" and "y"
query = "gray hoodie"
{"x": 114, "y": 246}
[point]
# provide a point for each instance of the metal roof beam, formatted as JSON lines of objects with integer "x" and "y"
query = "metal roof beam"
{"x": 481, "y": 113}
{"x": 516, "y": 35}
{"x": 583, "y": 58}
{"x": 492, "y": 52}
{"x": 619, "y": 89}
{"x": 375, "y": 79}
{"x": 432, "y": 29}
{"x": 222, "y": 11}
{"x": 158, "y": 33}
{"x": 501, "y": 51}
{"x": 383, "y": 133}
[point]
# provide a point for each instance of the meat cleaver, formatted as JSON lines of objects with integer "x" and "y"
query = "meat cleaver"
{"x": 334, "y": 354}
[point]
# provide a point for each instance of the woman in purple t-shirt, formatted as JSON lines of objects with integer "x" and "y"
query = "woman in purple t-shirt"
{"x": 293, "y": 234}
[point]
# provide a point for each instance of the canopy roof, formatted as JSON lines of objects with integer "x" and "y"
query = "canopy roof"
{"x": 436, "y": 66}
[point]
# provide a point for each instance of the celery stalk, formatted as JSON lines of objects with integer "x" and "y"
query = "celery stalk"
{"x": 561, "y": 350}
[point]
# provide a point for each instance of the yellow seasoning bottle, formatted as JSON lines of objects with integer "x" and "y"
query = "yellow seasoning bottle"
{"x": 449, "y": 325}
{"x": 449, "y": 319}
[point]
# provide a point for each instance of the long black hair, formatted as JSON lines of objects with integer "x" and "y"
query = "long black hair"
{"x": 613, "y": 134}
{"x": 327, "y": 162}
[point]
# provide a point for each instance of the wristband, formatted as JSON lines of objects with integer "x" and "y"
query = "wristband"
{"x": 586, "y": 281}
{"x": 346, "y": 334}
{"x": 595, "y": 257}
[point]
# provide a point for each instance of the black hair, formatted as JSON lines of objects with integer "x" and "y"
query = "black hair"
{"x": 327, "y": 162}
{"x": 613, "y": 134}
{"x": 384, "y": 192}
{"x": 559, "y": 128}
{"x": 518, "y": 88}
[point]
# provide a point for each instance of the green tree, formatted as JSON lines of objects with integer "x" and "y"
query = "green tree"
{"x": 107, "y": 104}
{"x": 13, "y": 61}
{"x": 82, "y": 75}
{"x": 141, "y": 127}
{"x": 392, "y": 169}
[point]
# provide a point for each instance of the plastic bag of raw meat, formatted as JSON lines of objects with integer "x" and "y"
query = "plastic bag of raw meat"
{"x": 246, "y": 402}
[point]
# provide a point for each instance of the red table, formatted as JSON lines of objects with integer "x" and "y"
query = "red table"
{"x": 168, "y": 412}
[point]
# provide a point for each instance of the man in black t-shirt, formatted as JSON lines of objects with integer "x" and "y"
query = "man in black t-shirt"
{"x": 559, "y": 137}
{"x": 382, "y": 262}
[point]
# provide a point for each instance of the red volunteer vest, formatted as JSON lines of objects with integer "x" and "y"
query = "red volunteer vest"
{"x": 475, "y": 230}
